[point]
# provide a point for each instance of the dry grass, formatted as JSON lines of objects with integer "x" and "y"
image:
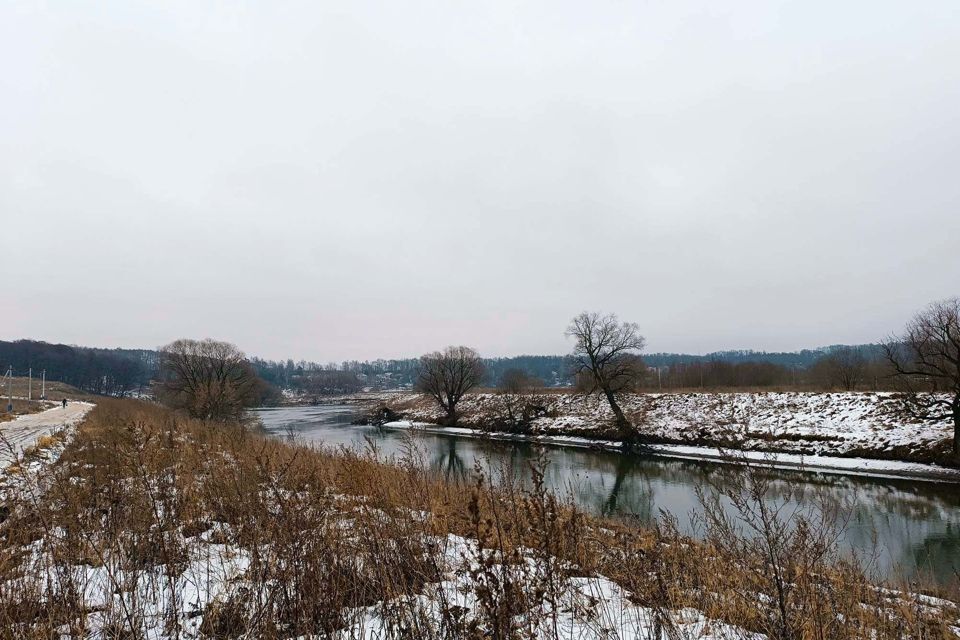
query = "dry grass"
{"x": 55, "y": 390}
{"x": 142, "y": 504}
{"x": 47, "y": 442}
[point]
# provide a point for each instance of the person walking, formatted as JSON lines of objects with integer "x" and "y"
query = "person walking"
{"x": 64, "y": 403}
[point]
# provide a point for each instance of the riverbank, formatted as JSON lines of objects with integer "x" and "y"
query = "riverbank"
{"x": 913, "y": 525}
{"x": 154, "y": 525}
{"x": 847, "y": 432}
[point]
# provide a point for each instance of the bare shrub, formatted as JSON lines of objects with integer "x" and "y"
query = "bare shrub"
{"x": 785, "y": 549}
{"x": 518, "y": 407}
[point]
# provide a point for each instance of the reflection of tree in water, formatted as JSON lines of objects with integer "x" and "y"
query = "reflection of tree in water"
{"x": 611, "y": 505}
{"x": 860, "y": 498}
{"x": 448, "y": 461}
{"x": 516, "y": 461}
{"x": 512, "y": 463}
{"x": 616, "y": 485}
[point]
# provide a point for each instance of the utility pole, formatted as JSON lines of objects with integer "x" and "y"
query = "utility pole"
{"x": 43, "y": 387}
{"x": 29, "y": 384}
{"x": 10, "y": 389}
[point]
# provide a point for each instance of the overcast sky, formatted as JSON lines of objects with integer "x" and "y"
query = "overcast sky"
{"x": 334, "y": 180}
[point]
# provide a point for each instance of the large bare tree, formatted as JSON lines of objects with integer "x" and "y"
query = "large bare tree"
{"x": 209, "y": 379}
{"x": 606, "y": 356}
{"x": 926, "y": 358}
{"x": 447, "y": 375}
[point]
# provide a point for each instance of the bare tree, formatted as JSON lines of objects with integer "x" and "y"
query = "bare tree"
{"x": 605, "y": 355}
{"x": 514, "y": 390}
{"x": 447, "y": 375}
{"x": 926, "y": 358}
{"x": 209, "y": 379}
{"x": 844, "y": 367}
{"x": 517, "y": 382}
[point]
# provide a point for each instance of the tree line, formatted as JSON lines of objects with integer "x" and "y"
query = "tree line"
{"x": 352, "y": 375}
{"x": 214, "y": 380}
{"x": 118, "y": 372}
{"x": 842, "y": 368}
{"x": 862, "y": 367}
{"x": 115, "y": 372}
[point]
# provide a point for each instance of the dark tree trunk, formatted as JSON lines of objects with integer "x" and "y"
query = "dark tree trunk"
{"x": 451, "y": 418}
{"x": 626, "y": 430}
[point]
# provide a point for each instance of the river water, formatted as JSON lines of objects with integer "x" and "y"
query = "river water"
{"x": 905, "y": 527}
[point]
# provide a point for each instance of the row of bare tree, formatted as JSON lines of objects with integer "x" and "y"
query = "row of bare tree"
{"x": 214, "y": 380}
{"x": 843, "y": 368}
{"x": 606, "y": 357}
{"x": 923, "y": 363}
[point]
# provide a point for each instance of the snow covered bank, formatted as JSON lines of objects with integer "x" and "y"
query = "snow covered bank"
{"x": 813, "y": 425}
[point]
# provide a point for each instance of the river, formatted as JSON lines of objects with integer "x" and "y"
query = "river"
{"x": 906, "y": 527}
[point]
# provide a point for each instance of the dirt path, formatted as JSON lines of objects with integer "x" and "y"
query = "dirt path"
{"x": 26, "y": 430}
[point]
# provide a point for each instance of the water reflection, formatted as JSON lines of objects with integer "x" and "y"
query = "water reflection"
{"x": 449, "y": 462}
{"x": 898, "y": 523}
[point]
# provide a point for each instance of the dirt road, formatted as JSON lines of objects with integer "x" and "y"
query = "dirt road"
{"x": 26, "y": 430}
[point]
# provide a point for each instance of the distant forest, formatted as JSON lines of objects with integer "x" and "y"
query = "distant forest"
{"x": 810, "y": 367}
{"x": 119, "y": 372}
{"x": 114, "y": 372}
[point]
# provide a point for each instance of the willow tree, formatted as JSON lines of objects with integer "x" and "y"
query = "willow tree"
{"x": 208, "y": 379}
{"x": 606, "y": 356}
